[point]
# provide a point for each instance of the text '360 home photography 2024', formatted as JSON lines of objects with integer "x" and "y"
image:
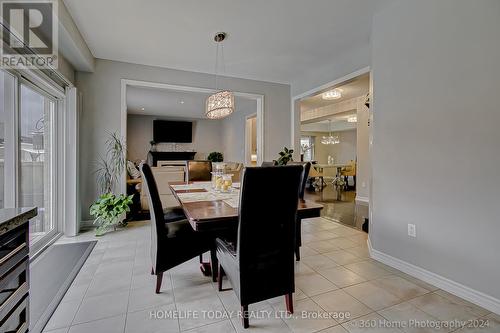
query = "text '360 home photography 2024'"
{"x": 249, "y": 166}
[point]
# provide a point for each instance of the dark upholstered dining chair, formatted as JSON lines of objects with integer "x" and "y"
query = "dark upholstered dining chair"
{"x": 305, "y": 174}
{"x": 261, "y": 263}
{"x": 298, "y": 231}
{"x": 199, "y": 171}
{"x": 172, "y": 242}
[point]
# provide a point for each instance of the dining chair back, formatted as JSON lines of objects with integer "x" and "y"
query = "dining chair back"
{"x": 306, "y": 167}
{"x": 266, "y": 232}
{"x": 199, "y": 171}
{"x": 261, "y": 265}
{"x": 172, "y": 242}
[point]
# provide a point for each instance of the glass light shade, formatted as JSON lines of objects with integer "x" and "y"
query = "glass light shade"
{"x": 330, "y": 140}
{"x": 220, "y": 105}
{"x": 332, "y": 94}
{"x": 352, "y": 119}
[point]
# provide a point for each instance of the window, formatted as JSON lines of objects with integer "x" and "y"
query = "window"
{"x": 7, "y": 137}
{"x": 35, "y": 156}
{"x": 307, "y": 148}
{"x": 28, "y": 151}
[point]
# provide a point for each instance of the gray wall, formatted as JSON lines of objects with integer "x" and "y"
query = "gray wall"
{"x": 436, "y": 81}
{"x": 101, "y": 110}
{"x": 207, "y": 137}
{"x": 349, "y": 62}
{"x": 233, "y": 134}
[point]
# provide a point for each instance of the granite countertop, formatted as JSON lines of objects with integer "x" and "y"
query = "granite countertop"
{"x": 11, "y": 218}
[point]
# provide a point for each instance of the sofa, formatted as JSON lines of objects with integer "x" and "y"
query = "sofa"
{"x": 234, "y": 168}
{"x": 163, "y": 175}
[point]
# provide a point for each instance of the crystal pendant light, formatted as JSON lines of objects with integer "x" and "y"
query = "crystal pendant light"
{"x": 332, "y": 94}
{"x": 330, "y": 139}
{"x": 220, "y": 104}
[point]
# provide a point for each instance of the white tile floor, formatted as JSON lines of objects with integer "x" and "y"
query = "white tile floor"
{"x": 114, "y": 292}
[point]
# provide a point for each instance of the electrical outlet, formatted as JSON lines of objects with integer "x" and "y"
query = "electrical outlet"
{"x": 412, "y": 230}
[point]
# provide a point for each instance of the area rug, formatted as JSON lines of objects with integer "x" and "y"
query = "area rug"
{"x": 51, "y": 274}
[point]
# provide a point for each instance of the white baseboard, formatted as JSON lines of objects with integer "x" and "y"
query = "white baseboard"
{"x": 479, "y": 298}
{"x": 362, "y": 200}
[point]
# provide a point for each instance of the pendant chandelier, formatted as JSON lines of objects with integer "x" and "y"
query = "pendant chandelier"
{"x": 330, "y": 139}
{"x": 220, "y": 104}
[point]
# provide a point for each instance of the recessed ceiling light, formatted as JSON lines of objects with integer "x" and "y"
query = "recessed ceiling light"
{"x": 142, "y": 109}
{"x": 332, "y": 94}
{"x": 352, "y": 119}
{"x": 181, "y": 101}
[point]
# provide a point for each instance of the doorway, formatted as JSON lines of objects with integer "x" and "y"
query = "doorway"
{"x": 251, "y": 140}
{"x": 332, "y": 131}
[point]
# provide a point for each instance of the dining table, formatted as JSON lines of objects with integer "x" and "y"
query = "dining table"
{"x": 216, "y": 212}
{"x": 338, "y": 174}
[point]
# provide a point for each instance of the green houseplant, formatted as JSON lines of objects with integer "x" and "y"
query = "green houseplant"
{"x": 109, "y": 209}
{"x": 215, "y": 156}
{"x": 286, "y": 155}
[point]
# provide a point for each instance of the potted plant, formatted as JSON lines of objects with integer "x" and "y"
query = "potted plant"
{"x": 109, "y": 210}
{"x": 286, "y": 155}
{"x": 215, "y": 157}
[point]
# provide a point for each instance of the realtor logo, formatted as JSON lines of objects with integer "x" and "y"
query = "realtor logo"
{"x": 29, "y": 33}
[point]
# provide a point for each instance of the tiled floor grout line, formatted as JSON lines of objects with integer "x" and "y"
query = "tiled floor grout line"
{"x": 369, "y": 280}
{"x": 130, "y": 289}
{"x": 370, "y": 274}
{"x": 85, "y": 294}
{"x": 86, "y": 289}
{"x": 217, "y": 292}
{"x": 173, "y": 297}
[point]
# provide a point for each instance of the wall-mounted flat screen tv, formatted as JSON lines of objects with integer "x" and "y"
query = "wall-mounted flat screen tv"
{"x": 172, "y": 131}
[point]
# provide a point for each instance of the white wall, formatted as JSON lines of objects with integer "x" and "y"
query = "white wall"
{"x": 207, "y": 137}
{"x": 436, "y": 161}
{"x": 102, "y": 107}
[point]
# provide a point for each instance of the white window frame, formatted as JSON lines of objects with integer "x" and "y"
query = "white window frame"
{"x": 311, "y": 142}
{"x": 42, "y": 84}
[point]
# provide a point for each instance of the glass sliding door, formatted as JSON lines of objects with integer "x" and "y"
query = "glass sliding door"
{"x": 36, "y": 159}
{"x": 28, "y": 153}
{"x": 7, "y": 140}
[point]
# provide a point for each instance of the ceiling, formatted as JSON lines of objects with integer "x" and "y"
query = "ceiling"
{"x": 357, "y": 87}
{"x": 275, "y": 41}
{"x": 172, "y": 103}
{"x": 339, "y": 123}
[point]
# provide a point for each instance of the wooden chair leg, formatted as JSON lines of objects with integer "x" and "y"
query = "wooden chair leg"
{"x": 298, "y": 238}
{"x": 219, "y": 277}
{"x": 159, "y": 278}
{"x": 244, "y": 316}
{"x": 214, "y": 264}
{"x": 289, "y": 303}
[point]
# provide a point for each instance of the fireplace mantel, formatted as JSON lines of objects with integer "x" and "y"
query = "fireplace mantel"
{"x": 155, "y": 156}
